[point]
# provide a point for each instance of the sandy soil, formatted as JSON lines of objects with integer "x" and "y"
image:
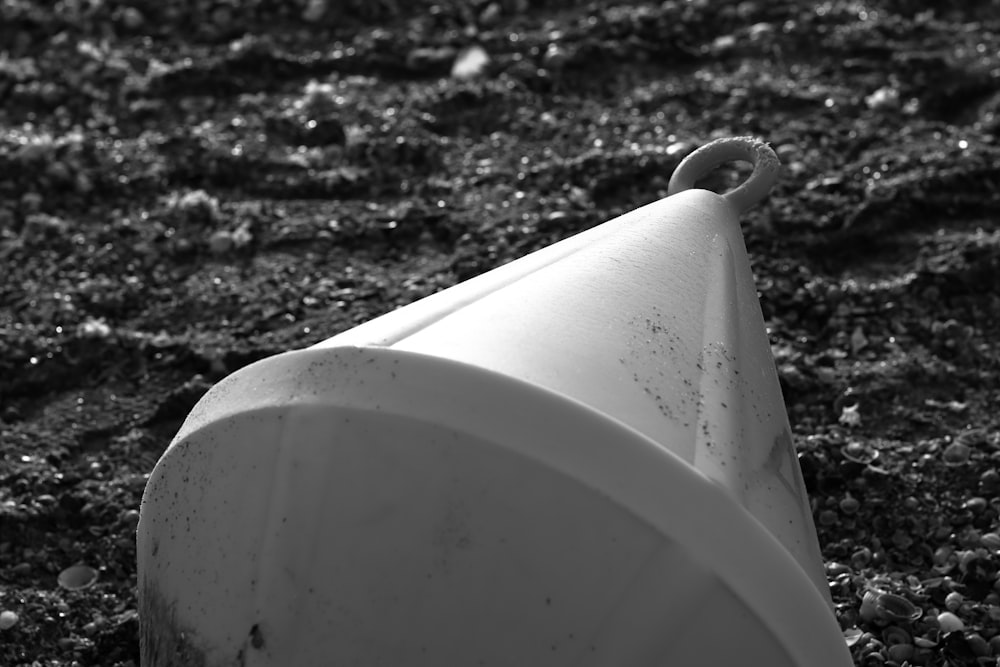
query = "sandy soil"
{"x": 187, "y": 187}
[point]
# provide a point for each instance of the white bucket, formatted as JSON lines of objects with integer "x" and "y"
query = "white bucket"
{"x": 580, "y": 458}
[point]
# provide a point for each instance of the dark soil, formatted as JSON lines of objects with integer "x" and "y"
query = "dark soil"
{"x": 187, "y": 187}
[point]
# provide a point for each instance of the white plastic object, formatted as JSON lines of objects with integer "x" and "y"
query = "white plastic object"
{"x": 580, "y": 458}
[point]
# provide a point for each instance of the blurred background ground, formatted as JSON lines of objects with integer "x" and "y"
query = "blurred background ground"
{"x": 189, "y": 186}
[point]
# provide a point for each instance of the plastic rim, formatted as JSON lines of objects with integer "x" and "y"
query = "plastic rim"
{"x": 715, "y": 153}
{"x": 566, "y": 436}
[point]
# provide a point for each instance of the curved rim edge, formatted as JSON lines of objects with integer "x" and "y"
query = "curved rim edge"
{"x": 537, "y": 423}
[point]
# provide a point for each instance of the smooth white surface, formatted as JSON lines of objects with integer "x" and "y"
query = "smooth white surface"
{"x": 653, "y": 319}
{"x": 380, "y": 507}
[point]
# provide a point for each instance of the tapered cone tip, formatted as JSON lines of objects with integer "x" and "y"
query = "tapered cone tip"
{"x": 653, "y": 320}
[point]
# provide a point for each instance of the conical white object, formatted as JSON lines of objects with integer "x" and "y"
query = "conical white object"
{"x": 580, "y": 458}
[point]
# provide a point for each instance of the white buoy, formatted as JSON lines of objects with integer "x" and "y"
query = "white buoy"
{"x": 579, "y": 458}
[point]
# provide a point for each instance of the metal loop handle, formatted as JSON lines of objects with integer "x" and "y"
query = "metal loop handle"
{"x": 715, "y": 153}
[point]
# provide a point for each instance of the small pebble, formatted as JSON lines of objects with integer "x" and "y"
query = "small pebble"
{"x": 852, "y": 636}
{"x": 222, "y": 17}
{"x": 970, "y": 538}
{"x": 900, "y": 652}
{"x": 555, "y": 57}
{"x": 901, "y": 539}
{"x": 953, "y": 601}
{"x": 8, "y": 619}
{"x": 683, "y": 149}
{"x": 885, "y": 97}
{"x": 977, "y": 644}
{"x": 220, "y": 242}
{"x": 976, "y": 504}
{"x": 723, "y": 44}
{"x": 83, "y": 183}
{"x": 896, "y": 635}
{"x": 242, "y": 236}
{"x": 858, "y": 340}
{"x": 867, "y": 610}
{"x": 89, "y": 328}
{"x": 966, "y": 558}
{"x": 132, "y": 18}
{"x": 314, "y": 11}
{"x": 760, "y": 31}
{"x": 59, "y": 172}
{"x": 470, "y": 63}
{"x": 848, "y": 617}
{"x": 850, "y": 416}
{"x": 989, "y": 481}
{"x": 948, "y": 622}
{"x": 942, "y": 532}
{"x": 490, "y": 15}
{"x": 942, "y": 555}
{"x": 834, "y": 569}
{"x": 77, "y": 577}
{"x": 873, "y": 660}
{"x": 861, "y": 558}
{"x": 849, "y": 505}
{"x": 956, "y": 454}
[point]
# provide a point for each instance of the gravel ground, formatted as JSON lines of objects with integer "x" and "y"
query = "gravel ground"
{"x": 187, "y": 187}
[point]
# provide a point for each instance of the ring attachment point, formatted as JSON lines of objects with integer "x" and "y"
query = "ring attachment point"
{"x": 698, "y": 164}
